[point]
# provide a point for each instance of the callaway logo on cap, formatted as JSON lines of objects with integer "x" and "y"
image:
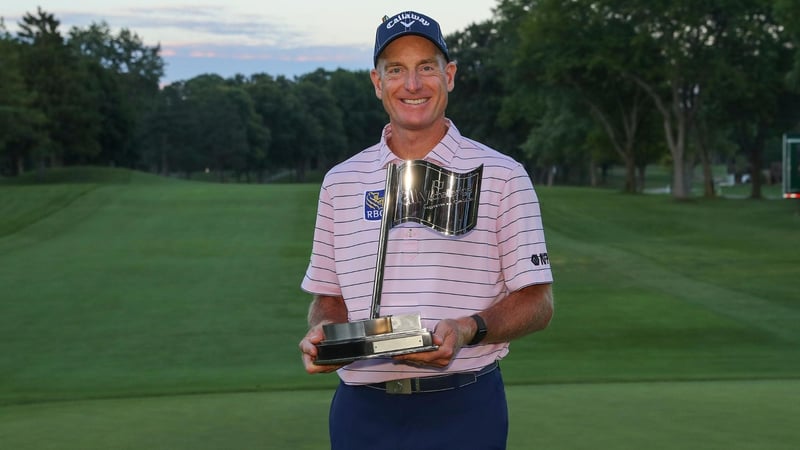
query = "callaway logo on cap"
{"x": 408, "y": 23}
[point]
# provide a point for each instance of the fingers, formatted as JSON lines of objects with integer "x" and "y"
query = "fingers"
{"x": 308, "y": 349}
{"x": 311, "y": 368}
{"x": 441, "y": 357}
{"x": 446, "y": 338}
{"x": 436, "y": 358}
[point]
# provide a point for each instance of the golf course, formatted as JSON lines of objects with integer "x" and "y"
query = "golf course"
{"x": 143, "y": 312}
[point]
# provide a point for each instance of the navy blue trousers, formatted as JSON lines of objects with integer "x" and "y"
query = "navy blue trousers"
{"x": 473, "y": 417}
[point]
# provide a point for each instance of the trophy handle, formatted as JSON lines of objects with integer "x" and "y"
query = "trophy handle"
{"x": 387, "y": 216}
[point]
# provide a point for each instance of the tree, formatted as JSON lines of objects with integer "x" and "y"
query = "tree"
{"x": 788, "y": 13}
{"x": 761, "y": 54}
{"x": 582, "y": 46}
{"x": 477, "y": 99}
{"x": 275, "y": 102}
{"x": 230, "y": 134}
{"x": 558, "y": 142}
{"x": 160, "y": 125}
{"x": 58, "y": 80}
{"x": 257, "y": 135}
{"x": 126, "y": 73}
{"x": 20, "y": 121}
{"x": 515, "y": 118}
{"x": 363, "y": 115}
{"x": 323, "y": 140}
{"x": 687, "y": 37}
{"x": 173, "y": 143}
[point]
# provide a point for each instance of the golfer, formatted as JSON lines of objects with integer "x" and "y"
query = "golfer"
{"x": 477, "y": 291}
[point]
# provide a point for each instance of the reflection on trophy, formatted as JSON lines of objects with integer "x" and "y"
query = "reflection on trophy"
{"x": 416, "y": 191}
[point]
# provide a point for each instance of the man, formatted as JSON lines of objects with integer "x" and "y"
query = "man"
{"x": 477, "y": 291}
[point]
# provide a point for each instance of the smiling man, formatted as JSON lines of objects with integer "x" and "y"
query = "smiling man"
{"x": 477, "y": 291}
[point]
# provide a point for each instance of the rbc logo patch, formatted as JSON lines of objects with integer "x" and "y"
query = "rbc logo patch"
{"x": 373, "y": 204}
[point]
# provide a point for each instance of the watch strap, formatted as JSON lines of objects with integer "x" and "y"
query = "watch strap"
{"x": 480, "y": 333}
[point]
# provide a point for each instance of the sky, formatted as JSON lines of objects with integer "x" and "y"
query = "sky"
{"x": 229, "y": 37}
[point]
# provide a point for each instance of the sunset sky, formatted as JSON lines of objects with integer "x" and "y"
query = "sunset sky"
{"x": 278, "y": 37}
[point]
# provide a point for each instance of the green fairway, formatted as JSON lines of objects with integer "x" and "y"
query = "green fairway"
{"x": 140, "y": 312}
{"x": 719, "y": 415}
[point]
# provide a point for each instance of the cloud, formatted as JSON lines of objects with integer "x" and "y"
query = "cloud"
{"x": 349, "y": 54}
{"x": 183, "y": 61}
{"x": 214, "y": 39}
{"x": 247, "y": 29}
{"x": 173, "y": 24}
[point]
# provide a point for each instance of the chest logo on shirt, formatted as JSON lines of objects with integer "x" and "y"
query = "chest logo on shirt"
{"x": 373, "y": 204}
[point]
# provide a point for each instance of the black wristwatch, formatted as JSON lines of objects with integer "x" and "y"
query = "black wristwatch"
{"x": 481, "y": 333}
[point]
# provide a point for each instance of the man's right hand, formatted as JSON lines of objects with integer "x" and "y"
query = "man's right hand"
{"x": 309, "y": 349}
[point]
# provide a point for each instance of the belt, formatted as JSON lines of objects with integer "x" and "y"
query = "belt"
{"x": 434, "y": 383}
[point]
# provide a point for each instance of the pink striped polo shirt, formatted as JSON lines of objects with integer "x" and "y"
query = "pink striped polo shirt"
{"x": 425, "y": 271}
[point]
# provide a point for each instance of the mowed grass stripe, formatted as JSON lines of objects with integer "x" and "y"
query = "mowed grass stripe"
{"x": 155, "y": 289}
{"x": 752, "y": 311}
{"x": 22, "y": 206}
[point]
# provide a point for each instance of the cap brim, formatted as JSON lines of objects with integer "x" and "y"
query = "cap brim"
{"x": 408, "y": 33}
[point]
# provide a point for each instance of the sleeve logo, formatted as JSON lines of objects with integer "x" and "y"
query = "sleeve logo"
{"x": 540, "y": 259}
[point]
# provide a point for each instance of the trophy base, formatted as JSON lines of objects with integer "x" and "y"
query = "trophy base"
{"x": 384, "y": 336}
{"x": 391, "y": 344}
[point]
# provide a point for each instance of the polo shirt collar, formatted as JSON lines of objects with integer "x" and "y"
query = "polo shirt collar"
{"x": 442, "y": 154}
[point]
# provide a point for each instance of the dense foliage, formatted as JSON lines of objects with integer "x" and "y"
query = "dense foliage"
{"x": 569, "y": 88}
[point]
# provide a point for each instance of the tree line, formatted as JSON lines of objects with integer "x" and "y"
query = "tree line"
{"x": 570, "y": 88}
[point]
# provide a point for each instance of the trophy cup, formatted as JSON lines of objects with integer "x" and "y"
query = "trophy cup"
{"x": 416, "y": 191}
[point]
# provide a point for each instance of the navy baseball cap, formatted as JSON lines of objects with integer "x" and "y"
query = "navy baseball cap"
{"x": 408, "y": 23}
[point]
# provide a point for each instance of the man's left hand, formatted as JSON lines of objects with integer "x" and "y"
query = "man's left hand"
{"x": 450, "y": 335}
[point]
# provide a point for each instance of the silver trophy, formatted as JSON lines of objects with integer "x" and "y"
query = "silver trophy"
{"x": 416, "y": 191}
